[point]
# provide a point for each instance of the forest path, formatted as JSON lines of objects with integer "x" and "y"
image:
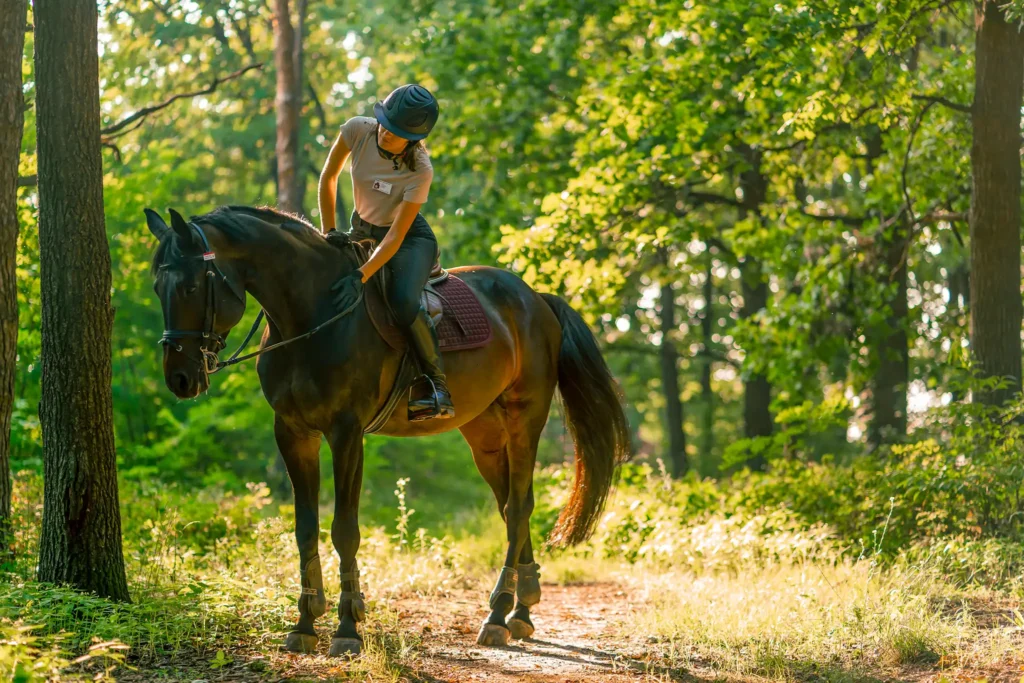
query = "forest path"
{"x": 579, "y": 638}
{"x": 583, "y": 636}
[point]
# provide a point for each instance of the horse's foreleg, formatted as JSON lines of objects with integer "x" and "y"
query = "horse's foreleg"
{"x": 346, "y": 439}
{"x": 301, "y": 453}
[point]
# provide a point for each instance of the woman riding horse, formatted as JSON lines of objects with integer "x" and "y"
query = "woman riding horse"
{"x": 328, "y": 373}
{"x": 391, "y": 175}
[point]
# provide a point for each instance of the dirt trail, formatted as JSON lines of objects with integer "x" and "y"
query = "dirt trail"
{"x": 576, "y": 640}
{"x": 581, "y": 637}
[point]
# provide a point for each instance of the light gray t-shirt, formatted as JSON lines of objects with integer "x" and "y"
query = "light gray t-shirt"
{"x": 377, "y": 187}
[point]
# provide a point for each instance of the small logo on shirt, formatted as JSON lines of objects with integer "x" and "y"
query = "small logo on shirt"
{"x": 382, "y": 186}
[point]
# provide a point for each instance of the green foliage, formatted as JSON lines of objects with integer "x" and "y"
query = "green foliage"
{"x": 950, "y": 496}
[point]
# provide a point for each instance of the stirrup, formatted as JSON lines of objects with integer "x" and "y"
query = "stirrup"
{"x": 437, "y": 411}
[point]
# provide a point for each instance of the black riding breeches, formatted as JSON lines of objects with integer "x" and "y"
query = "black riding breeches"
{"x": 408, "y": 269}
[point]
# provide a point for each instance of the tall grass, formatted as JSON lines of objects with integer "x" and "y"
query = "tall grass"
{"x": 767, "y": 593}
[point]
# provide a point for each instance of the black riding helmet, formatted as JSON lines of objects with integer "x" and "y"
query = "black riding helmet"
{"x": 409, "y": 112}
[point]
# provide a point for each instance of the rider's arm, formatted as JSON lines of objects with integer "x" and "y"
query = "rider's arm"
{"x": 392, "y": 240}
{"x": 329, "y": 182}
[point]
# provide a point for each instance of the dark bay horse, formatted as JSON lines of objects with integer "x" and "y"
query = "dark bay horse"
{"x": 333, "y": 382}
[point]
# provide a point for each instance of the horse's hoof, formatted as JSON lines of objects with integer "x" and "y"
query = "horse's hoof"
{"x": 300, "y": 642}
{"x": 520, "y": 629}
{"x": 493, "y": 635}
{"x": 342, "y": 647}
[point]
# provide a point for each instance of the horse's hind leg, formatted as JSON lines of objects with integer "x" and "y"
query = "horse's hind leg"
{"x": 527, "y": 594}
{"x": 301, "y": 453}
{"x": 488, "y": 440}
{"x": 506, "y": 458}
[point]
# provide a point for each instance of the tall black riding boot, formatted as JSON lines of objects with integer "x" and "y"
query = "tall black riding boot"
{"x": 428, "y": 397}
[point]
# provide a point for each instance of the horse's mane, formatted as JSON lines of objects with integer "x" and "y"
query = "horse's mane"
{"x": 228, "y": 220}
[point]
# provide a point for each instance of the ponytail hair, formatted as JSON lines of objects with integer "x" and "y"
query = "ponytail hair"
{"x": 409, "y": 155}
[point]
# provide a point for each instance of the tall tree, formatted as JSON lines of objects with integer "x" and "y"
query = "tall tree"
{"x": 890, "y": 343}
{"x": 288, "y": 60}
{"x": 670, "y": 382}
{"x": 12, "y": 37}
{"x": 757, "y": 390}
{"x": 81, "y": 536}
{"x": 707, "y": 392}
{"x": 995, "y": 201}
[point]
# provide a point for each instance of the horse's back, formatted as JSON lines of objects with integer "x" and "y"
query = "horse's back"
{"x": 525, "y": 338}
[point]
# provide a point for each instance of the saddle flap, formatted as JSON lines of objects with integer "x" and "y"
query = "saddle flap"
{"x": 432, "y": 304}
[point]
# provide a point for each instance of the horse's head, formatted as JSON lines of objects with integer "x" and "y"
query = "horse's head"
{"x": 202, "y": 297}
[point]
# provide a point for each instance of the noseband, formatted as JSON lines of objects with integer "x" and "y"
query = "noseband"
{"x": 211, "y": 342}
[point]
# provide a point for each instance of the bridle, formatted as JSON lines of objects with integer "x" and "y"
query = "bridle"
{"x": 212, "y": 343}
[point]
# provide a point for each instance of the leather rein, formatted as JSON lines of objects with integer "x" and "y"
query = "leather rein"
{"x": 212, "y": 343}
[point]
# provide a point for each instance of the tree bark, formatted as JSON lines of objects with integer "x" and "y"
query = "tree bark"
{"x": 12, "y": 118}
{"x": 891, "y": 346}
{"x": 995, "y": 202}
{"x": 707, "y": 322}
{"x": 288, "y": 59}
{"x": 670, "y": 383}
{"x": 757, "y": 394}
{"x": 298, "y": 94}
{"x": 81, "y": 536}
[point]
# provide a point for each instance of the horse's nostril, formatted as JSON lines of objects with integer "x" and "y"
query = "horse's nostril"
{"x": 181, "y": 382}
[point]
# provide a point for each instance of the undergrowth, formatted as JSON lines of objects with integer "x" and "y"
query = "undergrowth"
{"x": 812, "y": 571}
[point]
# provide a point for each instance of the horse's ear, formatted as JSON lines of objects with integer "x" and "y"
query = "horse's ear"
{"x": 182, "y": 229}
{"x": 156, "y": 224}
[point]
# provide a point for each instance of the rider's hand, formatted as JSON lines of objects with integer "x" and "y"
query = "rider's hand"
{"x": 347, "y": 290}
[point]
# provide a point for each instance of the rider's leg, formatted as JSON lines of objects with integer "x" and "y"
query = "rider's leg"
{"x": 410, "y": 267}
{"x": 435, "y": 400}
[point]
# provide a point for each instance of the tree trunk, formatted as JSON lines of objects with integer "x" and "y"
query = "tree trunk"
{"x": 757, "y": 394}
{"x": 81, "y": 536}
{"x": 287, "y": 59}
{"x": 707, "y": 393}
{"x": 892, "y": 364}
{"x": 12, "y": 118}
{"x": 297, "y": 94}
{"x": 670, "y": 383}
{"x": 995, "y": 202}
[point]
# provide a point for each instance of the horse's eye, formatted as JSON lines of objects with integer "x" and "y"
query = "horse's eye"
{"x": 191, "y": 289}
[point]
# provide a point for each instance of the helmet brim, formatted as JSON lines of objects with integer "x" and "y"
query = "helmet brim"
{"x": 382, "y": 119}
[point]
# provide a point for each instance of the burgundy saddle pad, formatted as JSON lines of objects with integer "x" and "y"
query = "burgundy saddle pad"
{"x": 463, "y": 324}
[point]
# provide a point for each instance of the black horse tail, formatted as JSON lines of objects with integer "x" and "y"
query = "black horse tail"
{"x": 594, "y": 417}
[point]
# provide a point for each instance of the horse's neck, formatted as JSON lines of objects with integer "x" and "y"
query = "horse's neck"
{"x": 291, "y": 280}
